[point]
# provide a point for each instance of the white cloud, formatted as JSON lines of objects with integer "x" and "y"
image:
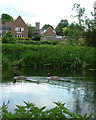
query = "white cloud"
{"x": 43, "y": 11}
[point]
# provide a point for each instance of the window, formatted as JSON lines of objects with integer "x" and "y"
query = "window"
{"x": 19, "y": 29}
{"x": 19, "y": 35}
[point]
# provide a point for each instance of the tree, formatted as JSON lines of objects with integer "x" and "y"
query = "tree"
{"x": 60, "y": 26}
{"x": 74, "y": 32}
{"x": 30, "y": 31}
{"x": 79, "y": 13}
{"x": 6, "y": 18}
{"x": 65, "y": 31}
{"x": 46, "y": 26}
{"x": 86, "y": 25}
{"x": 90, "y": 33}
{"x": 8, "y": 38}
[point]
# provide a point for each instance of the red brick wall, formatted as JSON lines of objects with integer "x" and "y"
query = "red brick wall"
{"x": 19, "y": 23}
{"x": 49, "y": 32}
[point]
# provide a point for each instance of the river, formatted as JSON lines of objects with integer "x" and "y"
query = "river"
{"x": 76, "y": 88}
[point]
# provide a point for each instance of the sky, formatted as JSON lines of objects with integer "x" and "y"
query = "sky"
{"x": 43, "y": 11}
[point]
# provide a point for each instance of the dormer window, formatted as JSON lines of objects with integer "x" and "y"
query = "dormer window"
{"x": 19, "y": 29}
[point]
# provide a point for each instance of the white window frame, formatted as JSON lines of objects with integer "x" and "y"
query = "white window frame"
{"x": 19, "y": 29}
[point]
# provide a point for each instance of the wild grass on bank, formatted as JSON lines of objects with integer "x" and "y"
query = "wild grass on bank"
{"x": 51, "y": 56}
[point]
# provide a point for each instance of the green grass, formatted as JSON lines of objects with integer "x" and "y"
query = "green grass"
{"x": 50, "y": 56}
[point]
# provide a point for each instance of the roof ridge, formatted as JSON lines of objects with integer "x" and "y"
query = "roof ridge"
{"x": 19, "y": 17}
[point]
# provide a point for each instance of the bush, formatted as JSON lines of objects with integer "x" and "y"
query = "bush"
{"x": 33, "y": 42}
{"x": 22, "y": 38}
{"x": 8, "y": 38}
{"x": 53, "y": 42}
{"x": 36, "y": 37}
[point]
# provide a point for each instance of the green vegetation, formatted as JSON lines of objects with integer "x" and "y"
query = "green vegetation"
{"x": 29, "y": 110}
{"x": 46, "y": 26}
{"x": 30, "y": 31}
{"x": 33, "y": 42}
{"x": 36, "y": 37}
{"x": 83, "y": 28}
{"x": 22, "y": 39}
{"x": 6, "y": 18}
{"x": 8, "y": 38}
{"x": 50, "y": 56}
{"x": 60, "y": 26}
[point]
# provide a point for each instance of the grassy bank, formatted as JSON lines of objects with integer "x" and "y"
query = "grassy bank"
{"x": 51, "y": 56}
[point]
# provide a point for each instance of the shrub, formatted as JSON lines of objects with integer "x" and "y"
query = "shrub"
{"x": 53, "y": 42}
{"x": 36, "y": 37}
{"x": 28, "y": 38}
{"x": 22, "y": 38}
{"x": 8, "y": 38}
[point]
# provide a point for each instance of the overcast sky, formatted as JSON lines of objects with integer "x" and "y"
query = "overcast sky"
{"x": 43, "y": 11}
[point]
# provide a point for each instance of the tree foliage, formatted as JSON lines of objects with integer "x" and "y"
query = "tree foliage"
{"x": 74, "y": 32}
{"x": 79, "y": 12}
{"x": 46, "y": 26}
{"x": 62, "y": 24}
{"x": 6, "y": 18}
{"x": 85, "y": 24}
{"x": 30, "y": 31}
{"x": 66, "y": 31}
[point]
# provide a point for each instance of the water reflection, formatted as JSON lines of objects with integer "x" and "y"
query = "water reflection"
{"x": 76, "y": 90}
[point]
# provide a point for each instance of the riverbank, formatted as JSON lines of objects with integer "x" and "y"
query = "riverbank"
{"x": 50, "y": 56}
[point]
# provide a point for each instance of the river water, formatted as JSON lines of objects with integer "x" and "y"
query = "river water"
{"x": 76, "y": 88}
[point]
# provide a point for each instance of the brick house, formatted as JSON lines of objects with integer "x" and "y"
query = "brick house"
{"x": 17, "y": 27}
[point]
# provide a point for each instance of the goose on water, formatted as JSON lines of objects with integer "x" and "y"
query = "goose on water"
{"x": 18, "y": 77}
{"x": 53, "y": 77}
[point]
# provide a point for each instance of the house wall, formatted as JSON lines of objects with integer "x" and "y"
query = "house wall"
{"x": 19, "y": 23}
{"x": 49, "y": 32}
